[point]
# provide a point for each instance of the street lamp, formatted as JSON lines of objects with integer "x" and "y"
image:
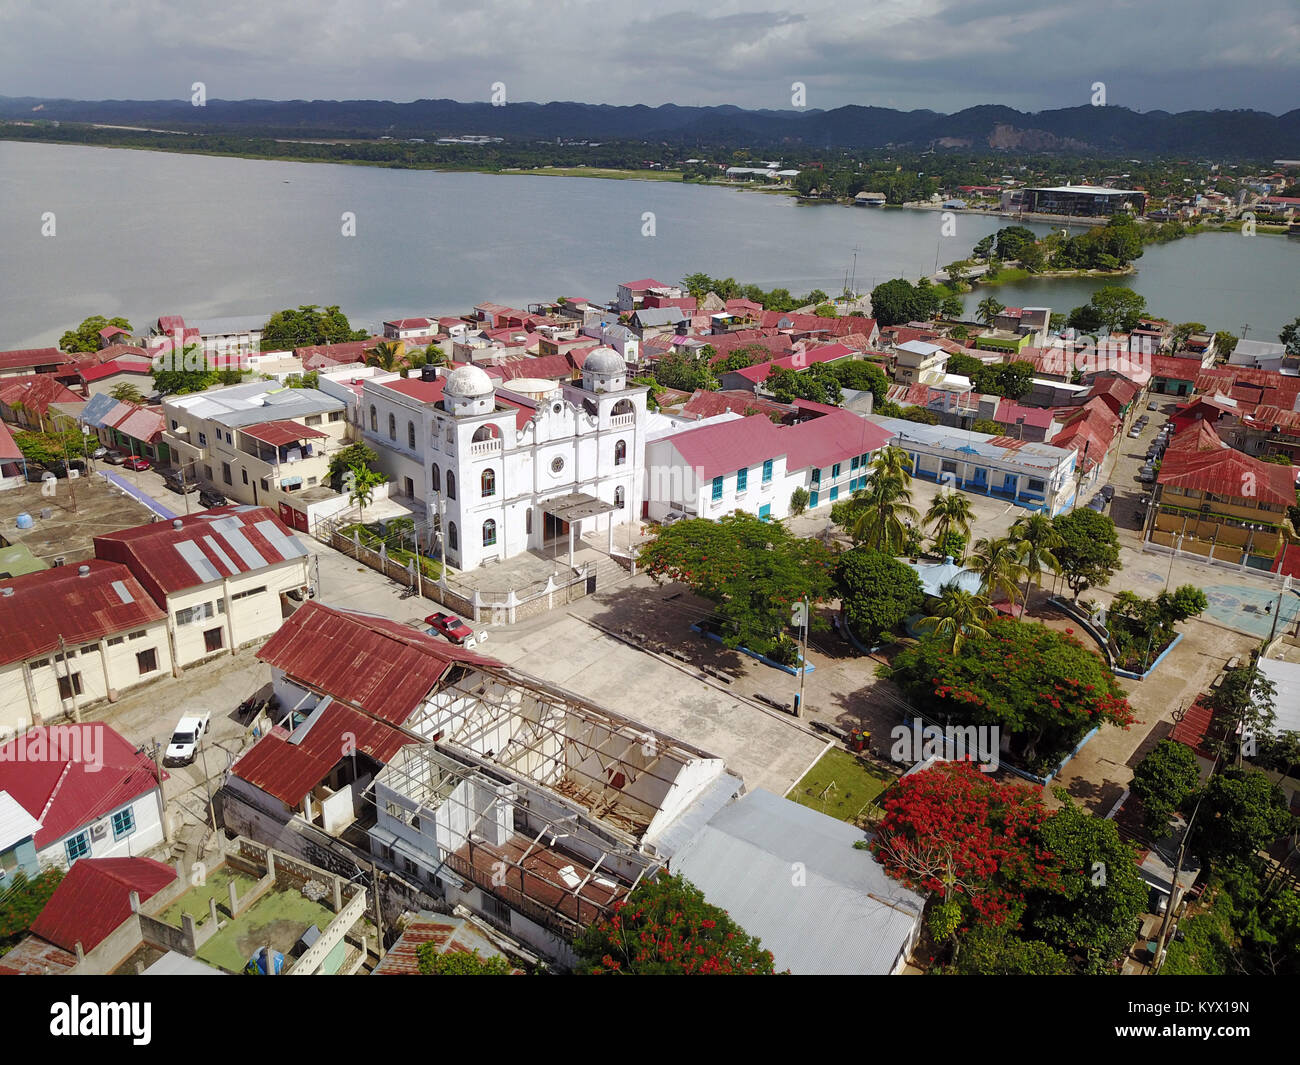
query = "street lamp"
{"x": 1174, "y": 548}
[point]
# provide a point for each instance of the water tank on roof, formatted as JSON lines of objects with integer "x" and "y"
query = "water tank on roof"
{"x": 25, "y": 521}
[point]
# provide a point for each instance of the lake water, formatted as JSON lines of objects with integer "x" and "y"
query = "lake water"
{"x": 142, "y": 234}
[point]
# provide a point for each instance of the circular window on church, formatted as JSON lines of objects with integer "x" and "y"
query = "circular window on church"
{"x": 557, "y": 464}
{"x": 557, "y": 408}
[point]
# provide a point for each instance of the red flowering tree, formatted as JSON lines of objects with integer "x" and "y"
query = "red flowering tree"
{"x": 1044, "y": 688}
{"x": 665, "y": 927}
{"x": 963, "y": 836}
{"x": 753, "y": 570}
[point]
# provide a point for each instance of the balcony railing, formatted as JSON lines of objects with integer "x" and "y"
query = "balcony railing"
{"x": 620, "y": 420}
{"x": 485, "y": 447}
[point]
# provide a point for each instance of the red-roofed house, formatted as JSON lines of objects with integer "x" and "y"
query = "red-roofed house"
{"x": 95, "y": 898}
{"x": 1218, "y": 502}
{"x": 407, "y": 328}
{"x": 227, "y": 576}
{"x": 26, "y": 400}
{"x": 93, "y": 793}
{"x": 1092, "y": 432}
{"x": 753, "y": 464}
{"x": 31, "y": 360}
{"x": 1118, "y": 393}
{"x": 631, "y": 294}
{"x": 74, "y": 636}
{"x": 133, "y": 369}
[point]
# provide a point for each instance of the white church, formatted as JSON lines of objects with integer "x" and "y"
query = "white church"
{"x": 530, "y": 465}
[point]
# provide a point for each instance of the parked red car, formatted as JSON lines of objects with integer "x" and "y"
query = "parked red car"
{"x": 135, "y": 462}
{"x": 449, "y": 625}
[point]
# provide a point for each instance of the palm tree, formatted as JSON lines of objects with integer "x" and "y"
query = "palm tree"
{"x": 385, "y": 354}
{"x": 989, "y": 308}
{"x": 999, "y": 567}
{"x": 886, "y": 504}
{"x": 435, "y": 356}
{"x": 892, "y": 462}
{"x": 361, "y": 483}
{"x": 959, "y": 614}
{"x": 950, "y": 512}
{"x": 1036, "y": 537}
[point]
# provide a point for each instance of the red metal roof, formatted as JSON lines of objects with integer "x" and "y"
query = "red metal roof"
{"x": 1197, "y": 460}
{"x": 417, "y": 388}
{"x": 739, "y": 401}
{"x": 35, "y": 392}
{"x": 122, "y": 364}
{"x": 9, "y": 451}
{"x": 450, "y": 935}
{"x": 282, "y": 432}
{"x": 725, "y": 447}
{"x": 22, "y": 358}
{"x": 68, "y": 776}
{"x": 410, "y": 323}
{"x": 1194, "y": 730}
{"x": 379, "y": 665}
{"x": 835, "y": 436}
{"x": 95, "y": 897}
{"x": 639, "y": 286}
{"x": 221, "y": 542}
{"x": 60, "y": 602}
{"x": 290, "y": 770}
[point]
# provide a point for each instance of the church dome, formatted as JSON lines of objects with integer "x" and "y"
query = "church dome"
{"x": 604, "y": 361}
{"x": 468, "y": 381}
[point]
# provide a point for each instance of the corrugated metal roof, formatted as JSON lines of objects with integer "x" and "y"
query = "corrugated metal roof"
{"x": 170, "y": 556}
{"x": 95, "y": 897}
{"x": 60, "y": 602}
{"x": 847, "y": 918}
{"x": 71, "y": 775}
{"x": 281, "y": 432}
{"x": 449, "y": 934}
{"x": 377, "y": 664}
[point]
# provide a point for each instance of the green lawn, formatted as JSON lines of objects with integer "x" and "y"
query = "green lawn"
{"x": 855, "y": 786}
{"x": 215, "y": 886}
{"x": 279, "y": 918}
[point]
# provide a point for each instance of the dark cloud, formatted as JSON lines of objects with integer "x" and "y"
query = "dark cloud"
{"x": 939, "y": 54}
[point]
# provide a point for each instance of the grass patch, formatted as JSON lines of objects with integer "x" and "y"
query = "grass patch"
{"x": 855, "y": 786}
{"x": 278, "y": 918}
{"x": 215, "y": 886}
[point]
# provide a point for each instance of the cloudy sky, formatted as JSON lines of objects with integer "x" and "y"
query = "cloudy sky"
{"x": 942, "y": 54}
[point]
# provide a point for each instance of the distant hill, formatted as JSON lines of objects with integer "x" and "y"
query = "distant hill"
{"x": 1102, "y": 130}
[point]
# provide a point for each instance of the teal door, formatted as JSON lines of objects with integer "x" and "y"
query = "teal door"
{"x": 765, "y": 512}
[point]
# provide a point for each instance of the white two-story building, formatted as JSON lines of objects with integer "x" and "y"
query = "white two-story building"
{"x": 512, "y": 467}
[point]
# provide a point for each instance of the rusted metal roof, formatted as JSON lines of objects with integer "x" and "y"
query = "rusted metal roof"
{"x": 95, "y": 897}
{"x": 450, "y": 935}
{"x": 61, "y": 602}
{"x": 171, "y": 556}
{"x": 279, "y": 433}
{"x": 379, "y": 665}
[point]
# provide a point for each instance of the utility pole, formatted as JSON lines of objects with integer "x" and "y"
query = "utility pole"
{"x": 158, "y": 775}
{"x": 379, "y": 913}
{"x": 207, "y": 784}
{"x": 72, "y": 475}
{"x": 803, "y": 660}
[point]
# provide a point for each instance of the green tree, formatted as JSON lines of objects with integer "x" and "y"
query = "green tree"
{"x": 1241, "y": 812}
{"x": 667, "y": 927}
{"x": 1011, "y": 241}
{"x": 1042, "y": 687}
{"x": 990, "y": 951}
{"x": 1166, "y": 781}
{"x": 957, "y": 615}
{"x": 190, "y": 373}
{"x": 826, "y": 310}
{"x": 361, "y": 483}
{"x": 861, "y": 376}
{"x": 998, "y": 561}
{"x": 686, "y": 372}
{"x": 346, "y": 458}
{"x": 23, "y": 901}
{"x": 307, "y": 326}
{"x": 1290, "y": 337}
{"x": 949, "y": 512}
{"x": 883, "y": 508}
{"x": 459, "y": 963}
{"x": 877, "y": 591}
{"x": 85, "y": 337}
{"x": 753, "y": 571}
{"x": 897, "y": 301}
{"x": 1114, "y": 309}
{"x": 799, "y": 501}
{"x": 988, "y": 309}
{"x": 1093, "y": 905}
{"x": 987, "y": 425}
{"x": 1035, "y": 539}
{"x": 1089, "y": 552}
{"x": 126, "y": 392}
{"x": 951, "y": 307}
{"x": 384, "y": 355}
